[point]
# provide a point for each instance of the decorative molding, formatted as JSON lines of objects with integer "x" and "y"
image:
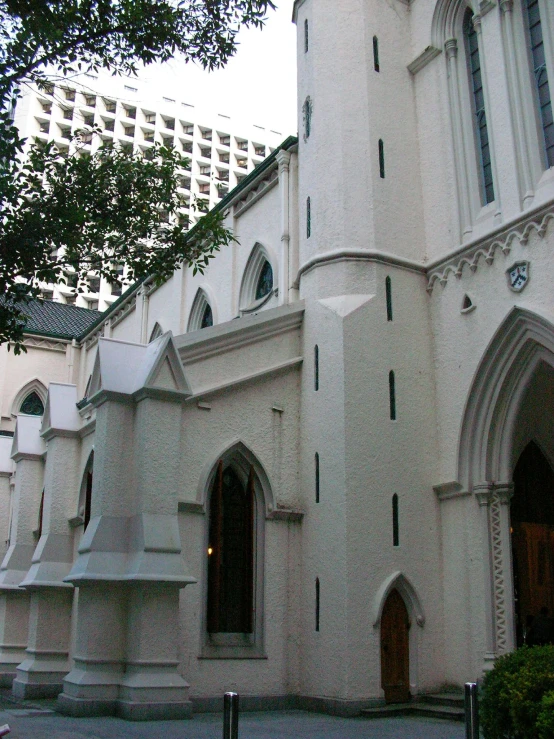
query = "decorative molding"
{"x": 498, "y": 576}
{"x": 426, "y": 56}
{"x": 485, "y": 249}
{"x": 358, "y": 255}
{"x": 398, "y": 581}
{"x": 48, "y": 344}
{"x": 124, "y": 311}
{"x": 257, "y": 191}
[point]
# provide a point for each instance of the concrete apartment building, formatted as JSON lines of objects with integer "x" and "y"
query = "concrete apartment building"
{"x": 222, "y": 150}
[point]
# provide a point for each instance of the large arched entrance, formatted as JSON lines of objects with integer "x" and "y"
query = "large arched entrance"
{"x": 507, "y": 439}
{"x": 532, "y": 518}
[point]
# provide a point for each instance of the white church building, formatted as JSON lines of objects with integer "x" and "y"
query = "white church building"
{"x": 320, "y": 474}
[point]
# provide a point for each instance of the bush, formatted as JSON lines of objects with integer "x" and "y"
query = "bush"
{"x": 517, "y": 700}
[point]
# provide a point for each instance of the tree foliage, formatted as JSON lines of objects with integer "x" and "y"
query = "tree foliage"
{"x": 99, "y": 211}
{"x": 518, "y": 695}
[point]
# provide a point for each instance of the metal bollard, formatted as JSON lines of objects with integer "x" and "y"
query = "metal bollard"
{"x": 471, "y": 705}
{"x": 231, "y": 716}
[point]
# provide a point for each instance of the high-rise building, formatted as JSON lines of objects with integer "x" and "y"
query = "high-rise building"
{"x": 221, "y": 149}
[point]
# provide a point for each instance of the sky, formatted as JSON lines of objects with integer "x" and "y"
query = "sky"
{"x": 258, "y": 85}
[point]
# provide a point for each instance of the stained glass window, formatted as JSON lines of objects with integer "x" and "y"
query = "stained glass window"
{"x": 480, "y": 115}
{"x": 32, "y": 405}
{"x": 540, "y": 75}
{"x": 265, "y": 281}
{"x": 207, "y": 317}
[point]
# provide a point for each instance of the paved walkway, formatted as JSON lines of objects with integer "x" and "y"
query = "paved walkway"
{"x": 26, "y": 723}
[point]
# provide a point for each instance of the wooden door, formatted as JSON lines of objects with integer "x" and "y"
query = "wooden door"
{"x": 395, "y": 646}
{"x": 534, "y": 556}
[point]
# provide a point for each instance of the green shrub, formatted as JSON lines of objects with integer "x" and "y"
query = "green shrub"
{"x": 545, "y": 720}
{"x": 517, "y": 700}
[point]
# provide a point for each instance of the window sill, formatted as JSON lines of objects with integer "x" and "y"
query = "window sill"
{"x": 257, "y": 304}
{"x": 212, "y": 652}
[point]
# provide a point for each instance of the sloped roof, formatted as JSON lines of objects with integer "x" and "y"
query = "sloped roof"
{"x": 58, "y": 319}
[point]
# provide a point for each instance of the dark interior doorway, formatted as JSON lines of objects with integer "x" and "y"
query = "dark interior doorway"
{"x": 532, "y": 521}
{"x": 395, "y": 649}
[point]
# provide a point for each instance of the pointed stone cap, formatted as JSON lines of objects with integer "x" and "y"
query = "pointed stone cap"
{"x": 343, "y": 305}
{"x": 61, "y": 417}
{"x": 27, "y": 442}
{"x": 124, "y": 368}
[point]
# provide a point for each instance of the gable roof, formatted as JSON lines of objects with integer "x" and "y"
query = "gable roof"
{"x": 58, "y": 320}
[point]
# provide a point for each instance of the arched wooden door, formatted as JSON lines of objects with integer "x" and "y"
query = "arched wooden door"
{"x": 395, "y": 650}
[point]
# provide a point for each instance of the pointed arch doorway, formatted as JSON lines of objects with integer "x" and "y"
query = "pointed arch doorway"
{"x": 532, "y": 523}
{"x": 395, "y": 649}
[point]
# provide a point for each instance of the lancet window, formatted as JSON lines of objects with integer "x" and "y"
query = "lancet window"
{"x": 543, "y": 100}
{"x": 231, "y": 553}
{"x": 484, "y": 163}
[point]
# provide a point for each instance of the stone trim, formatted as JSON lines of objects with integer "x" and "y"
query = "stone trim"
{"x": 358, "y": 255}
{"x": 288, "y": 515}
{"x": 470, "y": 254}
{"x": 233, "y": 335}
{"x": 273, "y": 369}
{"x": 423, "y": 59}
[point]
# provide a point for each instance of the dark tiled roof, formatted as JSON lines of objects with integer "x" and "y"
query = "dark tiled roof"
{"x": 57, "y": 319}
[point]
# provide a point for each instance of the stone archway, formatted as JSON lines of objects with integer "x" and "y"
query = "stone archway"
{"x": 510, "y": 404}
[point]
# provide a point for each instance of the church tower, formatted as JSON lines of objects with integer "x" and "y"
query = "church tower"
{"x": 368, "y": 444}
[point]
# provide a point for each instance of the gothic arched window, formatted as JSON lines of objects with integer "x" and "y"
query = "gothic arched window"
{"x": 265, "y": 281}
{"x": 201, "y": 313}
{"x": 85, "y": 498}
{"x": 231, "y": 553}
{"x": 539, "y": 68}
{"x": 32, "y": 405}
{"x": 477, "y": 94}
{"x": 258, "y": 281}
{"x": 207, "y": 317}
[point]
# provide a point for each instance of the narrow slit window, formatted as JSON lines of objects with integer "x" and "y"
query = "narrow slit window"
{"x": 395, "y": 529}
{"x": 388, "y": 291}
{"x": 484, "y": 161}
{"x": 308, "y": 218}
{"x": 392, "y": 396}
{"x": 306, "y": 36}
{"x": 317, "y": 603}
{"x": 376, "y": 53}
{"x": 316, "y": 477}
{"x": 381, "y": 159}
{"x": 316, "y": 367}
{"x": 540, "y": 77}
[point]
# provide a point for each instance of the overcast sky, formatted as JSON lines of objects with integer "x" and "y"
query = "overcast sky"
{"x": 258, "y": 85}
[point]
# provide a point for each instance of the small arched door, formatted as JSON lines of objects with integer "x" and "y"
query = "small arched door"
{"x": 395, "y": 657}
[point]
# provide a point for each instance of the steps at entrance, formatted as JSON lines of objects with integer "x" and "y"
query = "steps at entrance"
{"x": 439, "y": 705}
